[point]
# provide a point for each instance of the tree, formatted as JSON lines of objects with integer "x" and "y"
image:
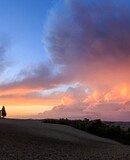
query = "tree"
{"x": 3, "y": 112}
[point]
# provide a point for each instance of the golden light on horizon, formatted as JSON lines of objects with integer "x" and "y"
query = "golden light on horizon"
{"x": 25, "y": 111}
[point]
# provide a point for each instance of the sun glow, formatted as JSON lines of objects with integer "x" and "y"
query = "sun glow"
{"x": 108, "y": 97}
{"x": 125, "y": 92}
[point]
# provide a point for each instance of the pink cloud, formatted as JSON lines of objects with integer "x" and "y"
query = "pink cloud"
{"x": 89, "y": 43}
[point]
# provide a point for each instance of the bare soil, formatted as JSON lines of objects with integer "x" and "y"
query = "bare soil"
{"x": 33, "y": 140}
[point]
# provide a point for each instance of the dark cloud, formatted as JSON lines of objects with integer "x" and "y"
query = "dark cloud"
{"x": 91, "y": 38}
{"x": 88, "y": 30}
{"x": 89, "y": 41}
{"x": 38, "y": 76}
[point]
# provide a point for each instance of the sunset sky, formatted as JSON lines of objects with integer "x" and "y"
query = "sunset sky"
{"x": 65, "y": 58}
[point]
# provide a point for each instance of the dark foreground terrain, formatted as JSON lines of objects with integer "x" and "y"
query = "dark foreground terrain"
{"x": 33, "y": 140}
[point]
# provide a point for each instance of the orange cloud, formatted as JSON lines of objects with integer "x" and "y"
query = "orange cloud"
{"x": 21, "y": 105}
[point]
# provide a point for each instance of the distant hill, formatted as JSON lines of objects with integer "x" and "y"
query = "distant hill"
{"x": 121, "y": 124}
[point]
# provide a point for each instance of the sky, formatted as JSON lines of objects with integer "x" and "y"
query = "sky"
{"x": 65, "y": 59}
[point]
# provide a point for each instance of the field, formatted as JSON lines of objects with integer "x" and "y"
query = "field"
{"x": 33, "y": 140}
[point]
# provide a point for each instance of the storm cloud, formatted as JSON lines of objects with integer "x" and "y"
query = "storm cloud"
{"x": 92, "y": 40}
{"x": 89, "y": 42}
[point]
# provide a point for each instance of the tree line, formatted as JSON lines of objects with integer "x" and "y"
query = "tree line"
{"x": 97, "y": 127}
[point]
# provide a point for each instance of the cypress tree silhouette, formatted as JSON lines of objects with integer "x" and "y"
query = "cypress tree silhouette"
{"x": 3, "y": 112}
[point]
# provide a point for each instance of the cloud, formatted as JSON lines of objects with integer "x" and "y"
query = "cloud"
{"x": 88, "y": 42}
{"x": 30, "y": 99}
{"x": 74, "y": 95}
{"x": 111, "y": 111}
{"x": 37, "y": 77}
{"x": 71, "y": 105}
{"x": 104, "y": 111}
{"x": 91, "y": 39}
{"x": 3, "y": 48}
{"x": 79, "y": 103}
{"x": 71, "y": 111}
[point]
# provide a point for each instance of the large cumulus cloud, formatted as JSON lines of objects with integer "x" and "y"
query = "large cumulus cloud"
{"x": 76, "y": 104}
{"x": 91, "y": 39}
